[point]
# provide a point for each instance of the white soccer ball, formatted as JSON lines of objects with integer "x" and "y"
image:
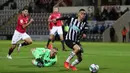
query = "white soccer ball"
{"x": 94, "y": 68}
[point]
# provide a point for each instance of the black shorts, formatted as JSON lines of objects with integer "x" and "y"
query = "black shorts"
{"x": 71, "y": 44}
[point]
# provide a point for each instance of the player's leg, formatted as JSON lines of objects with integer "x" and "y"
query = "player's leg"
{"x": 62, "y": 42}
{"x": 125, "y": 38}
{"x": 35, "y": 53}
{"x": 27, "y": 41}
{"x": 122, "y": 38}
{"x": 37, "y": 63}
{"x": 51, "y": 37}
{"x": 60, "y": 32}
{"x": 16, "y": 37}
{"x": 76, "y": 61}
{"x": 11, "y": 50}
{"x": 76, "y": 49}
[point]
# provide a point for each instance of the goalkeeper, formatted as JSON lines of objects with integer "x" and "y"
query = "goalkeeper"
{"x": 44, "y": 57}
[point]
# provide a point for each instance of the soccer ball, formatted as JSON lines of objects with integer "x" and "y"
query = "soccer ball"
{"x": 94, "y": 68}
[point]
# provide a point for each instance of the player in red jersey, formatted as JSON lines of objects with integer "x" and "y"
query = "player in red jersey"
{"x": 55, "y": 27}
{"x": 20, "y": 32}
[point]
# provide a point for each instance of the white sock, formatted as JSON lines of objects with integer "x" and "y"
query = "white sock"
{"x": 20, "y": 44}
{"x": 72, "y": 54}
{"x": 75, "y": 62}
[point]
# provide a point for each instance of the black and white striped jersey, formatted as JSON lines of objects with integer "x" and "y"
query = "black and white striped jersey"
{"x": 76, "y": 28}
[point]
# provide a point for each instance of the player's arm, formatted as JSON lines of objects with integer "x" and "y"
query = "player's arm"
{"x": 50, "y": 18}
{"x": 31, "y": 20}
{"x": 49, "y": 21}
{"x": 24, "y": 25}
{"x": 84, "y": 30}
{"x": 50, "y": 62}
{"x": 63, "y": 18}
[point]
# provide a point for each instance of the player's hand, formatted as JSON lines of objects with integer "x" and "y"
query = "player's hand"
{"x": 84, "y": 36}
{"x": 54, "y": 20}
{"x": 31, "y": 20}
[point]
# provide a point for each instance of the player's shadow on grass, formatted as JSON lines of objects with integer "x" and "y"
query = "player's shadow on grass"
{"x": 32, "y": 66}
{"x": 87, "y": 69}
{"x": 32, "y": 71}
{"x": 51, "y": 71}
{"x": 83, "y": 69}
{"x": 103, "y": 68}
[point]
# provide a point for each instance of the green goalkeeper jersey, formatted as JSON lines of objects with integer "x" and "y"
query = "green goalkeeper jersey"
{"x": 44, "y": 54}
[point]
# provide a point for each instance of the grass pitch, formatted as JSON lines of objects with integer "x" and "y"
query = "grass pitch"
{"x": 111, "y": 58}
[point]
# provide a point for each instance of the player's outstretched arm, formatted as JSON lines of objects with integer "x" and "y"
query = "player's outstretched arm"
{"x": 63, "y": 18}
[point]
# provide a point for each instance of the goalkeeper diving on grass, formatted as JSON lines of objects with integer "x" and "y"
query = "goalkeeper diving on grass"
{"x": 44, "y": 57}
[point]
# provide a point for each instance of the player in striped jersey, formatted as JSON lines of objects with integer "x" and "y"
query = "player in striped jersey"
{"x": 77, "y": 28}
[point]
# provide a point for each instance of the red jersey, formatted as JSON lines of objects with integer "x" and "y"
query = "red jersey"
{"x": 55, "y": 15}
{"x": 124, "y": 32}
{"x": 22, "y": 20}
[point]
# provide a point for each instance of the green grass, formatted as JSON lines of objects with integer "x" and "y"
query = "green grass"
{"x": 111, "y": 57}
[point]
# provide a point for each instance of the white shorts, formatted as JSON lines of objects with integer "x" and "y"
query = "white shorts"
{"x": 57, "y": 29}
{"x": 18, "y": 36}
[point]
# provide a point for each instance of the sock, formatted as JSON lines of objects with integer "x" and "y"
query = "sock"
{"x": 24, "y": 44}
{"x": 10, "y": 51}
{"x": 63, "y": 46}
{"x": 49, "y": 40}
{"x": 75, "y": 62}
{"x": 72, "y": 54}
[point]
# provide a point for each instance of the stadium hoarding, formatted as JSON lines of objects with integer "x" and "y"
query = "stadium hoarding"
{"x": 91, "y": 24}
{"x": 118, "y": 8}
{"x": 89, "y": 9}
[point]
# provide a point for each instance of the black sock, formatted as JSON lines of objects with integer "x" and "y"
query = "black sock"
{"x": 10, "y": 51}
{"x": 53, "y": 41}
{"x": 63, "y": 46}
{"x": 24, "y": 44}
{"x": 49, "y": 40}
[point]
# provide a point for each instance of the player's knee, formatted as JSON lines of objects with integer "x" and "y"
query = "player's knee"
{"x": 51, "y": 37}
{"x": 76, "y": 48}
{"x": 30, "y": 42}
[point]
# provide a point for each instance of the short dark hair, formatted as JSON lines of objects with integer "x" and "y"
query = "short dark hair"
{"x": 25, "y": 8}
{"x": 81, "y": 10}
